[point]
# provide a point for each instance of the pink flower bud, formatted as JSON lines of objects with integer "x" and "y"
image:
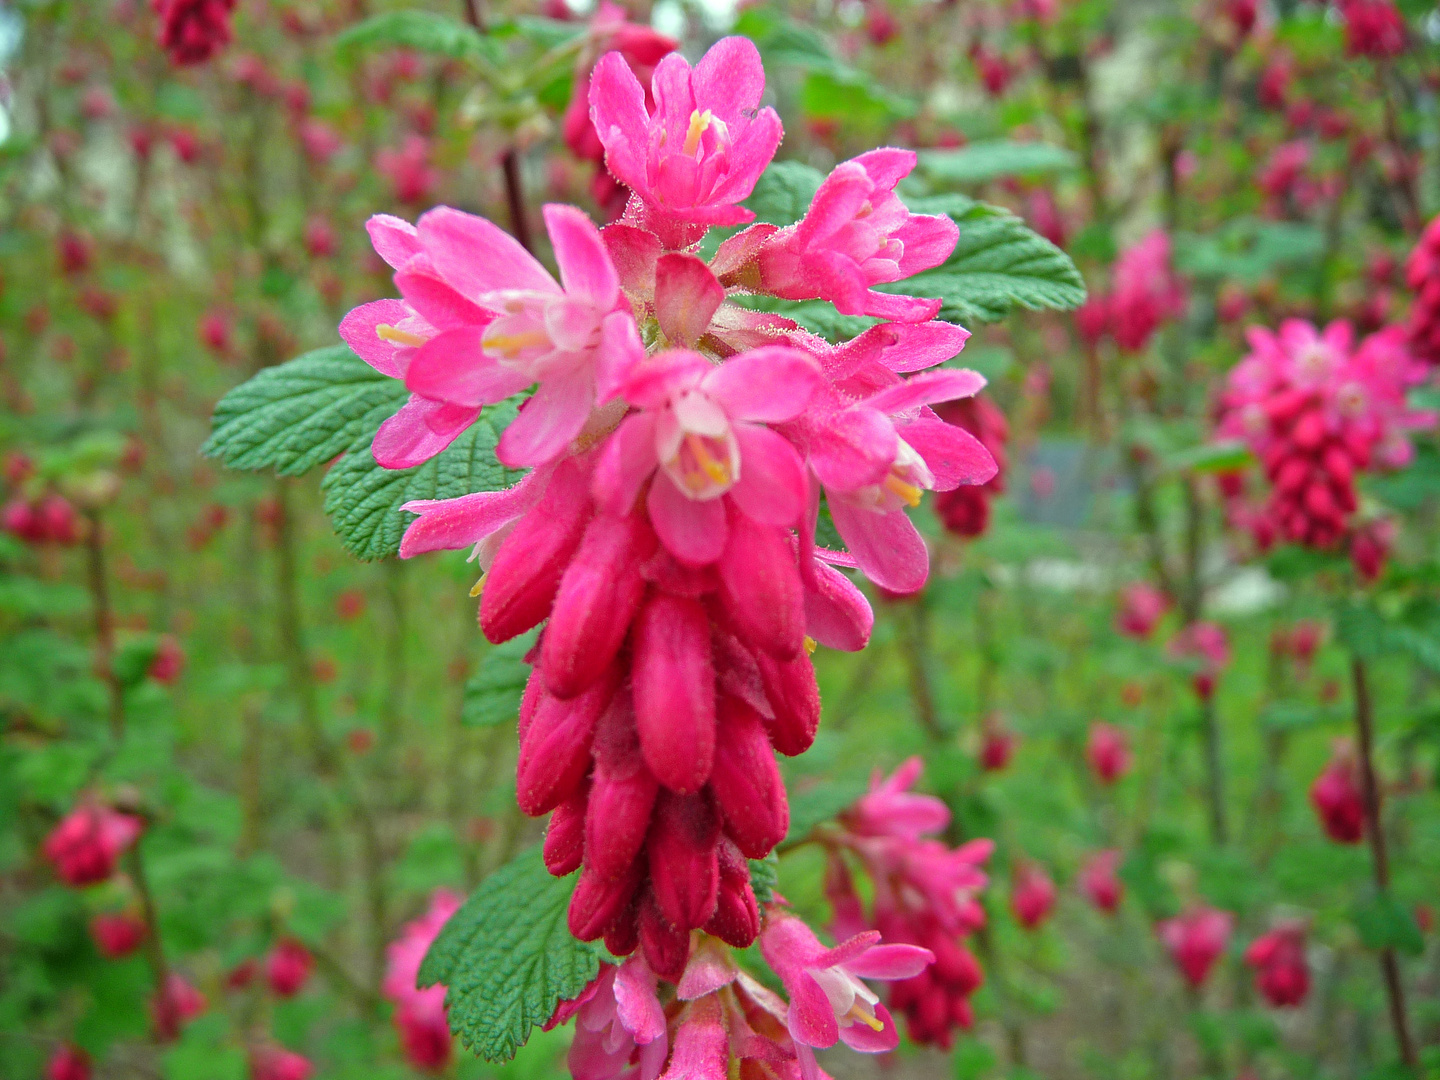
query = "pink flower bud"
{"x": 597, "y": 598}
{"x": 68, "y": 1062}
{"x": 760, "y": 587}
{"x": 673, "y": 678}
{"x": 277, "y": 1063}
{"x": 684, "y": 867}
{"x": 737, "y": 915}
{"x": 287, "y": 967}
{"x": 746, "y": 781}
{"x": 1103, "y": 888}
{"x": 1108, "y": 752}
{"x": 1032, "y": 895}
{"x": 1282, "y": 974}
{"x": 117, "y": 934}
{"x": 666, "y": 946}
{"x": 565, "y": 835}
{"x": 597, "y": 900}
{"x": 86, "y": 844}
{"x": 173, "y": 1006}
{"x": 526, "y": 572}
{"x": 555, "y": 748}
{"x": 794, "y": 697}
{"x": 622, "y": 796}
{"x": 1195, "y": 941}
{"x": 1338, "y": 801}
{"x": 169, "y": 662}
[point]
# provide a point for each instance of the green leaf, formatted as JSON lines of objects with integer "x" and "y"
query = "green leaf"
{"x": 300, "y": 414}
{"x": 1248, "y": 250}
{"x": 1385, "y": 923}
{"x": 1413, "y": 486}
{"x": 981, "y": 162}
{"x": 364, "y": 500}
{"x": 815, "y": 805}
{"x": 507, "y": 957}
{"x": 1298, "y": 715}
{"x": 999, "y": 264}
{"x": 842, "y": 93}
{"x": 422, "y": 30}
{"x": 1212, "y": 457}
{"x": 492, "y": 696}
{"x": 783, "y": 192}
{"x": 764, "y": 876}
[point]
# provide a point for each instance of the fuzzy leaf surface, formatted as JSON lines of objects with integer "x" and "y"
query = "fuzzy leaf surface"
{"x": 506, "y": 957}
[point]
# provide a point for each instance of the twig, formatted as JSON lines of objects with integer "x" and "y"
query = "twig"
{"x": 515, "y": 199}
{"x": 154, "y": 951}
{"x": 1389, "y": 965}
{"x": 104, "y": 621}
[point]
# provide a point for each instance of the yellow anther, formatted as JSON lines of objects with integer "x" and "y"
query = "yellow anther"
{"x": 811, "y": 645}
{"x": 509, "y": 345}
{"x": 869, "y": 1019}
{"x": 718, "y": 471}
{"x": 386, "y": 332}
{"x": 479, "y": 586}
{"x": 699, "y": 124}
{"x": 908, "y": 492}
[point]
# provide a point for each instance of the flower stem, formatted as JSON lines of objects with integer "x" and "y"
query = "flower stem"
{"x": 1389, "y": 965}
{"x": 515, "y": 199}
{"x": 104, "y": 621}
{"x": 154, "y": 951}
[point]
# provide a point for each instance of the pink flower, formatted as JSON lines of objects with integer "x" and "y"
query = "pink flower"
{"x": 216, "y": 332}
{"x": 1146, "y": 293}
{"x": 1338, "y": 800}
{"x": 277, "y": 1063}
{"x": 319, "y": 140}
{"x": 192, "y": 31}
{"x": 68, "y": 1062}
{"x": 420, "y": 1014}
{"x": 1108, "y": 752}
{"x": 1195, "y": 940}
{"x": 287, "y": 967}
{"x": 1284, "y": 169}
{"x": 877, "y": 450}
{"x": 86, "y": 844}
{"x": 1092, "y": 318}
{"x": 482, "y": 320}
{"x": 965, "y": 510}
{"x": 1101, "y": 883}
{"x": 619, "y": 1025}
{"x": 117, "y": 934}
{"x": 1141, "y": 606}
{"x": 889, "y": 809}
{"x": 408, "y": 169}
{"x": 1032, "y": 895}
{"x": 699, "y": 153}
{"x": 1370, "y": 547}
{"x": 828, "y": 1001}
{"x": 856, "y": 234}
{"x": 1373, "y": 28}
{"x": 701, "y": 433}
{"x": 1206, "y": 644}
{"x": 1281, "y": 972}
{"x": 997, "y": 747}
{"x": 169, "y": 662}
{"x": 173, "y": 1006}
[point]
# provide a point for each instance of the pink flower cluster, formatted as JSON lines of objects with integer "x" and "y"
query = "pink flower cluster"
{"x": 1422, "y": 274}
{"x": 1145, "y": 294}
{"x": 1195, "y": 939}
{"x": 924, "y": 893}
{"x": 1373, "y": 28}
{"x": 420, "y": 1014}
{"x": 965, "y": 510}
{"x": 1282, "y": 973}
{"x": 88, "y": 842}
{"x": 192, "y": 31}
{"x": 1337, "y": 798}
{"x": 1317, "y": 409}
{"x": 678, "y": 447}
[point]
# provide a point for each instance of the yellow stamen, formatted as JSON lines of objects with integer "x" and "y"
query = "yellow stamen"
{"x": 509, "y": 345}
{"x": 908, "y": 492}
{"x": 479, "y": 586}
{"x": 716, "y": 470}
{"x": 811, "y": 645}
{"x": 870, "y": 1020}
{"x": 699, "y": 124}
{"x": 386, "y": 332}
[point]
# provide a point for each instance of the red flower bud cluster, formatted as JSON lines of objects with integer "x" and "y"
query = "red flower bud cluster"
{"x": 86, "y": 844}
{"x": 287, "y": 967}
{"x": 1422, "y": 274}
{"x": 117, "y": 934}
{"x": 1281, "y": 972}
{"x": 1195, "y": 940}
{"x": 1338, "y": 800}
{"x": 1108, "y": 752}
{"x": 49, "y": 520}
{"x": 1316, "y": 410}
{"x": 1032, "y": 895}
{"x": 68, "y": 1062}
{"x": 1141, "y": 607}
{"x": 173, "y": 1006}
{"x": 1373, "y": 28}
{"x": 193, "y": 31}
{"x": 1101, "y": 882}
{"x": 965, "y": 510}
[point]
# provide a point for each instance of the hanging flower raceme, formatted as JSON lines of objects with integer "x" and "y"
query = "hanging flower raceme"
{"x": 1206, "y": 645}
{"x": 193, "y": 31}
{"x": 420, "y": 1014}
{"x": 271, "y": 1062}
{"x": 88, "y": 842}
{"x": 1317, "y": 410}
{"x": 1282, "y": 974}
{"x": 965, "y": 510}
{"x": 1373, "y": 28}
{"x": 69, "y": 1062}
{"x": 1337, "y": 798}
{"x": 1195, "y": 940}
{"x": 1422, "y": 274}
{"x": 924, "y": 893}
{"x": 174, "y": 1005}
{"x": 287, "y": 967}
{"x": 1145, "y": 294}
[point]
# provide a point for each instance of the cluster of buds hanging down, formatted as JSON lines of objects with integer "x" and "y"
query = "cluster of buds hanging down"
{"x": 678, "y": 446}
{"x": 1317, "y": 410}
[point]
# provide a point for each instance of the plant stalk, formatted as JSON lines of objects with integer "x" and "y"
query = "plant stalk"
{"x": 104, "y": 621}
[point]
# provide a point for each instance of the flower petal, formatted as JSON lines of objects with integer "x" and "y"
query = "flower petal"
{"x": 888, "y": 548}
{"x": 617, "y": 109}
{"x": 413, "y": 436}
{"x": 476, "y": 256}
{"x": 636, "y": 1003}
{"x": 837, "y": 615}
{"x": 952, "y": 454}
{"x": 772, "y": 484}
{"x": 686, "y": 296}
{"x": 620, "y": 351}
{"x": 435, "y": 299}
{"x": 770, "y": 384}
{"x": 853, "y": 448}
{"x": 865, "y": 1040}
{"x": 691, "y": 530}
{"x": 923, "y": 389}
{"x": 811, "y": 1020}
{"x": 452, "y": 367}
{"x": 393, "y": 238}
{"x": 451, "y": 524}
{"x": 358, "y": 331}
{"x": 891, "y": 962}
{"x": 634, "y": 253}
{"x": 625, "y": 464}
{"x": 547, "y": 422}
{"x": 585, "y": 267}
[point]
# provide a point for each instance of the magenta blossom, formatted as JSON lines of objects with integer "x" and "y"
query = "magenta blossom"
{"x": 828, "y": 1001}
{"x": 1141, "y": 607}
{"x": 482, "y": 320}
{"x": 890, "y": 809}
{"x": 704, "y": 146}
{"x": 1195, "y": 941}
{"x": 856, "y": 234}
{"x": 700, "y": 432}
{"x": 86, "y": 844}
{"x": 619, "y": 1026}
{"x": 1146, "y": 292}
{"x": 420, "y": 1014}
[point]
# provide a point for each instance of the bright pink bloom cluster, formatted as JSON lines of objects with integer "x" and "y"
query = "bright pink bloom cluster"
{"x": 420, "y": 1014}
{"x": 1195, "y": 940}
{"x": 1101, "y": 882}
{"x": 1141, "y": 607}
{"x": 642, "y": 48}
{"x": 1108, "y": 751}
{"x": 925, "y": 894}
{"x": 89, "y": 840}
{"x": 48, "y": 520}
{"x": 1032, "y": 895}
{"x": 1373, "y": 28}
{"x": 1145, "y": 293}
{"x": 679, "y": 446}
{"x": 1422, "y": 274}
{"x": 287, "y": 967}
{"x": 174, "y": 1005}
{"x": 271, "y": 1062}
{"x": 1317, "y": 409}
{"x": 965, "y": 510}
{"x": 1282, "y": 974}
{"x": 117, "y": 934}
{"x": 1208, "y": 646}
{"x": 192, "y": 31}
{"x": 68, "y": 1062}
{"x": 1337, "y": 798}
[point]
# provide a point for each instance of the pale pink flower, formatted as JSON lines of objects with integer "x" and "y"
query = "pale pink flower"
{"x": 619, "y": 1025}
{"x": 1145, "y": 293}
{"x": 1195, "y": 940}
{"x": 420, "y": 1014}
